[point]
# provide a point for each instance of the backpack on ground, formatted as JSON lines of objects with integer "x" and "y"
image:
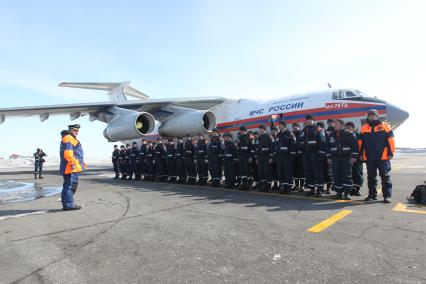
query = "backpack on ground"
{"x": 419, "y": 194}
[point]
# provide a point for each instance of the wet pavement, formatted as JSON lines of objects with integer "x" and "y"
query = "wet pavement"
{"x": 12, "y": 191}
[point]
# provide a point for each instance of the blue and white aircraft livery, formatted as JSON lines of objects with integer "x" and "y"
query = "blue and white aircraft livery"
{"x": 149, "y": 118}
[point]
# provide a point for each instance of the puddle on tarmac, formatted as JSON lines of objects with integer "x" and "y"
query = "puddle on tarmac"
{"x": 12, "y": 191}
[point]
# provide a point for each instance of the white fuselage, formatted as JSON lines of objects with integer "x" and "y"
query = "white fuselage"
{"x": 232, "y": 114}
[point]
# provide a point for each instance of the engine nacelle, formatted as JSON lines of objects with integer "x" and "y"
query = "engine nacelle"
{"x": 189, "y": 122}
{"x": 129, "y": 125}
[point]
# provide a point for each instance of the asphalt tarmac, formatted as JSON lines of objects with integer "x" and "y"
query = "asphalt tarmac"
{"x": 144, "y": 232}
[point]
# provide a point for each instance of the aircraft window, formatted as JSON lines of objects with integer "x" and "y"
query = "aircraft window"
{"x": 359, "y": 93}
{"x": 338, "y": 95}
{"x": 349, "y": 94}
{"x": 341, "y": 95}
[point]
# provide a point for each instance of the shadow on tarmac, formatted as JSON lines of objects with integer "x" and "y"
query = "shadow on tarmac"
{"x": 274, "y": 201}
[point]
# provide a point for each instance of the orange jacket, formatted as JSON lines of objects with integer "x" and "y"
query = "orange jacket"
{"x": 71, "y": 154}
{"x": 376, "y": 141}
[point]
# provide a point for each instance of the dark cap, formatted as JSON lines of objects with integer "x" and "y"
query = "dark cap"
{"x": 331, "y": 120}
{"x": 295, "y": 124}
{"x": 114, "y": 146}
{"x": 127, "y": 145}
{"x": 350, "y": 123}
{"x": 74, "y": 126}
{"x": 373, "y": 111}
{"x": 320, "y": 124}
{"x": 135, "y": 143}
{"x": 188, "y": 136}
{"x": 282, "y": 122}
{"x": 274, "y": 128}
{"x": 179, "y": 138}
{"x": 309, "y": 116}
{"x": 243, "y": 128}
{"x": 170, "y": 140}
{"x": 262, "y": 126}
{"x": 122, "y": 146}
{"x": 227, "y": 135}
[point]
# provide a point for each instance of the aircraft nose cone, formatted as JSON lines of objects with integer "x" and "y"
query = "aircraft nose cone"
{"x": 395, "y": 116}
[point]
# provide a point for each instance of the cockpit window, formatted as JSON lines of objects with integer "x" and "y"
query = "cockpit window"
{"x": 346, "y": 94}
{"x": 349, "y": 94}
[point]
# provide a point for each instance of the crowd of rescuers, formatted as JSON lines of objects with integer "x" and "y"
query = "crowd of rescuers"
{"x": 317, "y": 159}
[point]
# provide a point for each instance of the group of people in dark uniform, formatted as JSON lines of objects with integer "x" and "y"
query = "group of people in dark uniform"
{"x": 313, "y": 159}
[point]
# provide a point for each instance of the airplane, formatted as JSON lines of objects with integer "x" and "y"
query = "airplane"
{"x": 148, "y": 118}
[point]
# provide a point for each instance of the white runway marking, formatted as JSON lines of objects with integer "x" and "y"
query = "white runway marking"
{"x": 22, "y": 215}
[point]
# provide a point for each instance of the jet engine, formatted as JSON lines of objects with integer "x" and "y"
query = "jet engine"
{"x": 188, "y": 121}
{"x": 129, "y": 125}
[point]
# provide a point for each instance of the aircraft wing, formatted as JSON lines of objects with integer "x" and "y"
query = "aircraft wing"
{"x": 80, "y": 109}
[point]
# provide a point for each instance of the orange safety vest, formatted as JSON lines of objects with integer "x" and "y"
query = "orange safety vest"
{"x": 376, "y": 142}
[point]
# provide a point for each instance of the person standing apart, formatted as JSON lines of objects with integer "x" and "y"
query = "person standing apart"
{"x": 38, "y": 163}
{"x": 72, "y": 163}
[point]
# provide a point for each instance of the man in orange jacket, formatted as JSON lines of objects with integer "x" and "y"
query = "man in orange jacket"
{"x": 71, "y": 164}
{"x": 377, "y": 146}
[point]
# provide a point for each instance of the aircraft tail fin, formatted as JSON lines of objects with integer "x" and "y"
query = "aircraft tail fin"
{"x": 116, "y": 91}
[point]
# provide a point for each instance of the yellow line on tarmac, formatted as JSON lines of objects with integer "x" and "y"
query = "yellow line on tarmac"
{"x": 329, "y": 221}
{"x": 403, "y": 208}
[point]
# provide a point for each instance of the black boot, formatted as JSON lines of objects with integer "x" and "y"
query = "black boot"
{"x": 328, "y": 191}
{"x": 355, "y": 191}
{"x": 35, "y": 176}
{"x": 269, "y": 187}
{"x": 371, "y": 197}
{"x": 318, "y": 191}
{"x": 296, "y": 185}
{"x": 262, "y": 186}
{"x": 287, "y": 189}
{"x": 346, "y": 196}
{"x": 339, "y": 196}
{"x": 301, "y": 185}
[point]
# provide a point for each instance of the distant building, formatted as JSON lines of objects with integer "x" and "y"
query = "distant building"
{"x": 14, "y": 157}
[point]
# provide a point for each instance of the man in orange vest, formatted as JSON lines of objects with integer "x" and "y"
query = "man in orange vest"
{"x": 377, "y": 146}
{"x": 71, "y": 164}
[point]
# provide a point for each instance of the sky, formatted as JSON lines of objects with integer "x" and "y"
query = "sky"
{"x": 234, "y": 49}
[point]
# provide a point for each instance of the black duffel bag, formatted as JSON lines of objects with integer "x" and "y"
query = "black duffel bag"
{"x": 419, "y": 194}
